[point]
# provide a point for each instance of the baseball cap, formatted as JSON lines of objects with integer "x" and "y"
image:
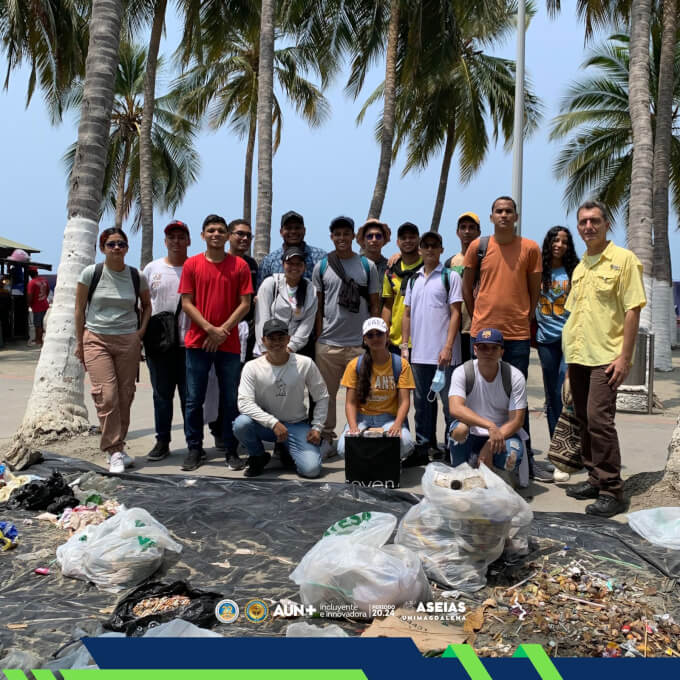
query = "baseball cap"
{"x": 407, "y": 227}
{"x": 272, "y": 326}
{"x": 432, "y": 234}
{"x": 177, "y": 224}
{"x": 375, "y": 323}
{"x": 293, "y": 251}
{"x": 489, "y": 336}
{"x": 33, "y": 270}
{"x": 342, "y": 221}
{"x": 292, "y": 216}
{"x": 387, "y": 232}
{"x": 470, "y": 215}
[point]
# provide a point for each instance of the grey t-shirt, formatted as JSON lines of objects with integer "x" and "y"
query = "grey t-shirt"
{"x": 112, "y": 308}
{"x": 342, "y": 328}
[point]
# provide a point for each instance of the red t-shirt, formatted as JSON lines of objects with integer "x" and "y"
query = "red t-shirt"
{"x": 38, "y": 290}
{"x": 217, "y": 290}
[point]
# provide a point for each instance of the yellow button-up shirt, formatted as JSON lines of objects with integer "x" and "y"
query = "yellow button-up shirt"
{"x": 603, "y": 289}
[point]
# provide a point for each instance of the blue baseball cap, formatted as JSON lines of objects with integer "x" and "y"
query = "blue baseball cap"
{"x": 489, "y": 336}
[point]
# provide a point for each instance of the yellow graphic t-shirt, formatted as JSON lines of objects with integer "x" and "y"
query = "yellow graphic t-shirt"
{"x": 392, "y": 291}
{"x": 383, "y": 397}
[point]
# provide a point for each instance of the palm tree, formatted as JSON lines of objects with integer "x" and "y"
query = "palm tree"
{"x": 175, "y": 162}
{"x": 56, "y": 407}
{"x": 451, "y": 109}
{"x": 226, "y": 87}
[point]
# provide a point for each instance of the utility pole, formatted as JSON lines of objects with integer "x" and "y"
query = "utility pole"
{"x": 518, "y": 129}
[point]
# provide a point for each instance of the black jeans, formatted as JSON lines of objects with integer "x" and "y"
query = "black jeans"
{"x": 167, "y": 372}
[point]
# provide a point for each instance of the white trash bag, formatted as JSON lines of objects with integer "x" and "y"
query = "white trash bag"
{"x": 119, "y": 553}
{"x": 660, "y": 526}
{"x": 309, "y": 630}
{"x": 350, "y": 566}
{"x": 462, "y": 524}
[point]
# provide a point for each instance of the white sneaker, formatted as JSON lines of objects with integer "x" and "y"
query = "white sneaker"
{"x": 117, "y": 463}
{"x": 329, "y": 447}
{"x": 560, "y": 476}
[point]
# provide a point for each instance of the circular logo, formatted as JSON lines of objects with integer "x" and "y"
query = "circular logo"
{"x": 226, "y": 611}
{"x": 256, "y": 611}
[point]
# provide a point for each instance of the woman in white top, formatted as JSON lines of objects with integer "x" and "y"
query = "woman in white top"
{"x": 290, "y": 298}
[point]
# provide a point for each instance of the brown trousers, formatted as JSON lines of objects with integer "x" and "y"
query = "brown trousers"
{"x": 112, "y": 362}
{"x": 595, "y": 409}
{"x": 332, "y": 362}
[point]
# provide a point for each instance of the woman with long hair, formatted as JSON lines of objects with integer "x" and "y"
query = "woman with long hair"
{"x": 290, "y": 298}
{"x": 109, "y": 332}
{"x": 379, "y": 386}
{"x": 559, "y": 262}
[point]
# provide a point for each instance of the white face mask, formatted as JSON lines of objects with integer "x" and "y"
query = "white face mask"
{"x": 438, "y": 384}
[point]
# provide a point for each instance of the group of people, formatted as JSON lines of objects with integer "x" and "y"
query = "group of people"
{"x": 458, "y": 330}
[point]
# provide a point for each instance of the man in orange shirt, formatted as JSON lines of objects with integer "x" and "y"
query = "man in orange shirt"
{"x": 509, "y": 284}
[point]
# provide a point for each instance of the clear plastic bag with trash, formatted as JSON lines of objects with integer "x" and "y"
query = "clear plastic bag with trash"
{"x": 466, "y": 520}
{"x": 119, "y": 553}
{"x": 351, "y": 565}
{"x": 660, "y": 526}
{"x": 309, "y": 630}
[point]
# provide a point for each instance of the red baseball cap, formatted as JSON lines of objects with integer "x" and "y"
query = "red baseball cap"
{"x": 177, "y": 224}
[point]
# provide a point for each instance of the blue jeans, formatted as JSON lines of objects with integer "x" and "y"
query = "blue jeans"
{"x": 426, "y": 410}
{"x": 385, "y": 421}
{"x": 554, "y": 370}
{"x": 307, "y": 456}
{"x": 227, "y": 368}
{"x": 468, "y": 451}
{"x": 167, "y": 372}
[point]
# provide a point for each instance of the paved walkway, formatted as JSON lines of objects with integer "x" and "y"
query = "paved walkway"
{"x": 644, "y": 438}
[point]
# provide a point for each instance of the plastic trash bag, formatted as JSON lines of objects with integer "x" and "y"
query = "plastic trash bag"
{"x": 457, "y": 532}
{"x": 660, "y": 526}
{"x": 309, "y": 630}
{"x": 20, "y": 660}
{"x": 52, "y": 494}
{"x": 121, "y": 552}
{"x": 180, "y": 628}
{"x": 200, "y": 610}
{"x": 350, "y": 566}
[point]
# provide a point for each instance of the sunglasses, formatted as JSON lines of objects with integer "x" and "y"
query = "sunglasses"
{"x": 374, "y": 334}
{"x": 430, "y": 246}
{"x": 116, "y": 244}
{"x": 374, "y": 237}
{"x": 243, "y": 234}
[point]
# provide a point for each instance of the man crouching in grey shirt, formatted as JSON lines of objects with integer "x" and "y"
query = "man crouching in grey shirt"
{"x": 271, "y": 400}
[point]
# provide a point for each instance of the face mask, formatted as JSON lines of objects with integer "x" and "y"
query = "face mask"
{"x": 438, "y": 384}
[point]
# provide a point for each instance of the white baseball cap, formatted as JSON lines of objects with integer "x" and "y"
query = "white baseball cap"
{"x": 375, "y": 323}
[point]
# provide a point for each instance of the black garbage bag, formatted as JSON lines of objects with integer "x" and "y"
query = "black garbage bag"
{"x": 42, "y": 494}
{"x": 200, "y": 610}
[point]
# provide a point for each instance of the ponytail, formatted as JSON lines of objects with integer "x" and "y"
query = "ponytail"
{"x": 301, "y": 294}
{"x": 364, "y": 388}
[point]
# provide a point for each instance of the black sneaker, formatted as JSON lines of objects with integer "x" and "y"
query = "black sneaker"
{"x": 418, "y": 457}
{"x": 256, "y": 465}
{"x": 543, "y": 472}
{"x": 193, "y": 459}
{"x": 159, "y": 451}
{"x": 435, "y": 453}
{"x": 281, "y": 450}
{"x": 233, "y": 461}
{"x": 582, "y": 491}
{"x": 605, "y": 506}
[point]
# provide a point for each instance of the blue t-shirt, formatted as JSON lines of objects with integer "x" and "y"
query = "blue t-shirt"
{"x": 550, "y": 313}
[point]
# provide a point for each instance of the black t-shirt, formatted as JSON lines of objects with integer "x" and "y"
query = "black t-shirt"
{"x": 252, "y": 264}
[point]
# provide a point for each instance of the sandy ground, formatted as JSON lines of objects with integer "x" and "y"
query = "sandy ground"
{"x": 644, "y": 438}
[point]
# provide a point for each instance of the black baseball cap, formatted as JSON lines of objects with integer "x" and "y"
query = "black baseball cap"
{"x": 407, "y": 228}
{"x": 292, "y": 251}
{"x": 272, "y": 326}
{"x": 292, "y": 216}
{"x": 342, "y": 221}
{"x": 432, "y": 234}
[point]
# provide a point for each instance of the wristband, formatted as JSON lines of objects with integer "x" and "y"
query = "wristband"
{"x": 403, "y": 346}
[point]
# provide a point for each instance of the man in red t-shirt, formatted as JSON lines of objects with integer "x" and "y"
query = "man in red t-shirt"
{"x": 38, "y": 290}
{"x": 216, "y": 289}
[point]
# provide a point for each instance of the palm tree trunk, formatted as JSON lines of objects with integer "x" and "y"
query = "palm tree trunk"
{"x": 388, "y": 113}
{"x": 56, "y": 407}
{"x": 248, "y": 174}
{"x": 443, "y": 176}
{"x": 663, "y": 291}
{"x": 640, "y": 206}
{"x": 265, "y": 102}
{"x": 145, "y": 153}
{"x": 672, "y": 470}
{"x": 120, "y": 190}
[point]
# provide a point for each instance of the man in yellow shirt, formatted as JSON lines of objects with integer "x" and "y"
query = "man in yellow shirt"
{"x": 606, "y": 297}
{"x": 396, "y": 279}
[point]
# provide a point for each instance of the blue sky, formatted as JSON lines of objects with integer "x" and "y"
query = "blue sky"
{"x": 321, "y": 173}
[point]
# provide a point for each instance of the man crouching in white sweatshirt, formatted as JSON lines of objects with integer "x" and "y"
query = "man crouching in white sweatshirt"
{"x": 271, "y": 401}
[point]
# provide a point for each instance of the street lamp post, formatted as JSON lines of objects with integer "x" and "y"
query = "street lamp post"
{"x": 518, "y": 128}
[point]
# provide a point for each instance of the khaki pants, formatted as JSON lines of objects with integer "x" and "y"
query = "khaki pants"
{"x": 332, "y": 362}
{"x": 112, "y": 362}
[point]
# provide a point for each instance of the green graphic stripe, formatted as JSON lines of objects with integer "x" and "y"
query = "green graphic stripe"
{"x": 43, "y": 674}
{"x": 470, "y": 662}
{"x": 14, "y": 675}
{"x": 210, "y": 674}
{"x": 540, "y": 660}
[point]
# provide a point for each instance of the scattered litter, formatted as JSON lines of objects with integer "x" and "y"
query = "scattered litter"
{"x": 244, "y": 551}
{"x": 53, "y": 495}
{"x": 17, "y": 626}
{"x": 11, "y": 483}
{"x": 189, "y": 482}
{"x": 309, "y": 630}
{"x": 224, "y": 565}
{"x": 43, "y": 571}
{"x": 9, "y": 536}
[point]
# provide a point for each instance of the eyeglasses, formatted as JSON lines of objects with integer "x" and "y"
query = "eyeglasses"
{"x": 376, "y": 236}
{"x": 243, "y": 234}
{"x": 116, "y": 244}
{"x": 374, "y": 334}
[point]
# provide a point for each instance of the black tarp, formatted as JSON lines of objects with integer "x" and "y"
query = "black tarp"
{"x": 242, "y": 538}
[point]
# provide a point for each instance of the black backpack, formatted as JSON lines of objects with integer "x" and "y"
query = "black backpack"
{"x": 96, "y": 277}
{"x": 482, "y": 247}
{"x": 506, "y": 377}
